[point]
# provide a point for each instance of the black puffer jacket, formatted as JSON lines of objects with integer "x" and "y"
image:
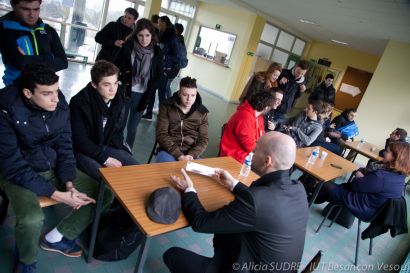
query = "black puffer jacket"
{"x": 33, "y": 140}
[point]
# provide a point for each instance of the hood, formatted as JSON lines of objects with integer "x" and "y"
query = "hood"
{"x": 197, "y": 106}
{"x": 246, "y": 107}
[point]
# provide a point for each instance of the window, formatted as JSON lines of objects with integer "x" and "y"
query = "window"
{"x": 179, "y": 6}
{"x": 280, "y": 46}
{"x": 116, "y": 9}
{"x": 214, "y": 45}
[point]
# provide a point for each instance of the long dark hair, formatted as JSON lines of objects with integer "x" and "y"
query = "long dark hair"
{"x": 142, "y": 24}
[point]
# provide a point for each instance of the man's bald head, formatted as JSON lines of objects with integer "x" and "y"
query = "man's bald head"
{"x": 274, "y": 151}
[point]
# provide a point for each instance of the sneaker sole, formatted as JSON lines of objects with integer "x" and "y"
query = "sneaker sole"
{"x": 72, "y": 255}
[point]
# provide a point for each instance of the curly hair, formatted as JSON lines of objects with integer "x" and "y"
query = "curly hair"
{"x": 260, "y": 100}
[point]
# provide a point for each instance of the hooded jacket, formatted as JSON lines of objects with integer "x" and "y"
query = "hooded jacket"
{"x": 107, "y": 36}
{"x": 33, "y": 140}
{"x": 305, "y": 130}
{"x": 40, "y": 44}
{"x": 88, "y": 136}
{"x": 179, "y": 133}
{"x": 241, "y": 133}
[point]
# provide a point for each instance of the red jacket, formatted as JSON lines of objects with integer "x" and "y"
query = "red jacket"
{"x": 241, "y": 133}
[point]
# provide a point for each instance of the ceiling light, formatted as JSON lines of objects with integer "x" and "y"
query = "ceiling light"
{"x": 339, "y": 42}
{"x": 307, "y": 22}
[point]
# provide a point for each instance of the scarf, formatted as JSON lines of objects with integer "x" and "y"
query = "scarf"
{"x": 100, "y": 111}
{"x": 142, "y": 64}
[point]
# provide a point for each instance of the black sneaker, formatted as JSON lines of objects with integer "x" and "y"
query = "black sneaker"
{"x": 147, "y": 117}
{"x": 66, "y": 247}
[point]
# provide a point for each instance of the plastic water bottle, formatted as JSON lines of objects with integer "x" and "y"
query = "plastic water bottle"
{"x": 313, "y": 156}
{"x": 246, "y": 167}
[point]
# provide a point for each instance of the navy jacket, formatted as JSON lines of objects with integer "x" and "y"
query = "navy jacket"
{"x": 88, "y": 137}
{"x": 327, "y": 94}
{"x": 41, "y": 44}
{"x": 365, "y": 195}
{"x": 33, "y": 140}
{"x": 107, "y": 36}
{"x": 265, "y": 224}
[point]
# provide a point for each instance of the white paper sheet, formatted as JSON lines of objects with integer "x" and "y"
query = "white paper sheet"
{"x": 200, "y": 169}
{"x": 350, "y": 89}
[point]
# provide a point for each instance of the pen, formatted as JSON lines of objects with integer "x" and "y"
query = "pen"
{"x": 336, "y": 166}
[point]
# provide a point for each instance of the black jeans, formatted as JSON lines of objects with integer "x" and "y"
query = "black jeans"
{"x": 90, "y": 166}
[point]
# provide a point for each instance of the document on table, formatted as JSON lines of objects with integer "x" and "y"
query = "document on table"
{"x": 200, "y": 169}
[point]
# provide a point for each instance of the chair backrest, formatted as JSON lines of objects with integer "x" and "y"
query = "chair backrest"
{"x": 314, "y": 263}
{"x": 46, "y": 202}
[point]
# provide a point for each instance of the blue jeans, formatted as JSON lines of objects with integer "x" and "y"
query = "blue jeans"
{"x": 163, "y": 156}
{"x": 90, "y": 166}
{"x": 164, "y": 89}
{"x": 134, "y": 118}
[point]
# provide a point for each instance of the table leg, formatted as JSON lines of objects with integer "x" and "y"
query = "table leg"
{"x": 98, "y": 209}
{"x": 142, "y": 254}
{"x": 315, "y": 193}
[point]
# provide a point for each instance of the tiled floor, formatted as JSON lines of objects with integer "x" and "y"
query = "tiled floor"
{"x": 338, "y": 243}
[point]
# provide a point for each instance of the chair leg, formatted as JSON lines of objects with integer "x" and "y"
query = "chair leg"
{"x": 356, "y": 257}
{"x": 325, "y": 218}
{"x": 3, "y": 206}
{"x": 371, "y": 246}
{"x": 337, "y": 215}
{"x": 152, "y": 152}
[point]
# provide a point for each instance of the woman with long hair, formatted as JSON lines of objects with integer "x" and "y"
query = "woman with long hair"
{"x": 141, "y": 69}
{"x": 373, "y": 185}
{"x": 262, "y": 81}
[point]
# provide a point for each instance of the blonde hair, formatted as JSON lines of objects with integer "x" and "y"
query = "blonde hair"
{"x": 272, "y": 68}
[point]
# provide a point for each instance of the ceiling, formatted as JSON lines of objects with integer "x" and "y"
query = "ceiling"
{"x": 366, "y": 25}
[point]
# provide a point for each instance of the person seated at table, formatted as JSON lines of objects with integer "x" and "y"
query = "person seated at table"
{"x": 262, "y": 81}
{"x": 246, "y": 125}
{"x": 370, "y": 190}
{"x": 264, "y": 225}
{"x": 36, "y": 160}
{"x": 305, "y": 127}
{"x": 182, "y": 124}
{"x": 98, "y": 117}
{"x": 398, "y": 135}
{"x": 345, "y": 118}
{"x": 323, "y": 139}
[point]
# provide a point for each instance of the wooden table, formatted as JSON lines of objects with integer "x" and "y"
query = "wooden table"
{"x": 132, "y": 185}
{"x": 321, "y": 169}
{"x": 367, "y": 149}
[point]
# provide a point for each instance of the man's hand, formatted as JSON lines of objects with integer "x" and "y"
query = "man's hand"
{"x": 271, "y": 125}
{"x": 185, "y": 158}
{"x": 73, "y": 198}
{"x": 333, "y": 125}
{"x": 112, "y": 162}
{"x": 283, "y": 81}
{"x": 119, "y": 43}
{"x": 183, "y": 183}
{"x": 302, "y": 88}
{"x": 225, "y": 178}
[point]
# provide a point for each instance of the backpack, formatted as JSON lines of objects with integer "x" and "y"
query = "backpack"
{"x": 117, "y": 237}
{"x": 183, "y": 59}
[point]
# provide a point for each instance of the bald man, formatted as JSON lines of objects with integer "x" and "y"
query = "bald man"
{"x": 262, "y": 230}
